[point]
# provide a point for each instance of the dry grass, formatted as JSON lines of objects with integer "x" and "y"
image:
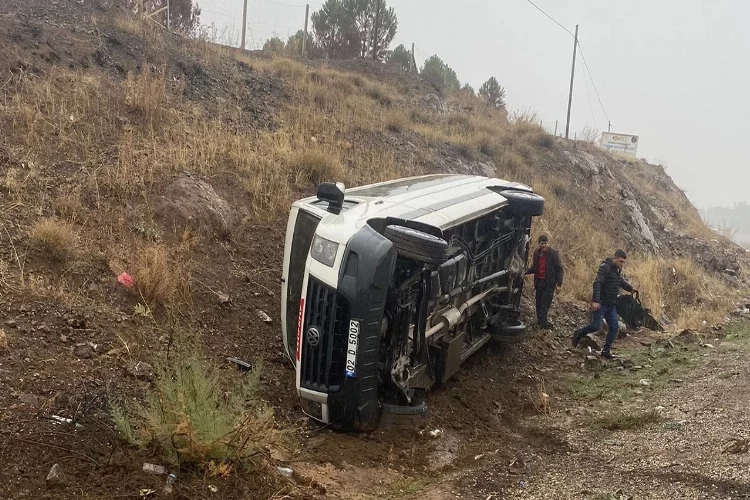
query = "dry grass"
{"x": 314, "y": 166}
{"x": 56, "y": 239}
{"x": 397, "y": 121}
{"x": 157, "y": 279}
{"x": 681, "y": 289}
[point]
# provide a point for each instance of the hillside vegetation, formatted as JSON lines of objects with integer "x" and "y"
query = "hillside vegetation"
{"x": 125, "y": 149}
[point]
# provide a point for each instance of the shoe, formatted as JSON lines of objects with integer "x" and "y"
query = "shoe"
{"x": 607, "y": 354}
{"x": 576, "y": 338}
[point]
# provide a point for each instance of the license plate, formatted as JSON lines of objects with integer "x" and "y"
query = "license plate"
{"x": 351, "y": 349}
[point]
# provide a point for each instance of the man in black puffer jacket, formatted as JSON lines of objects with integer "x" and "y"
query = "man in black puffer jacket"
{"x": 607, "y": 285}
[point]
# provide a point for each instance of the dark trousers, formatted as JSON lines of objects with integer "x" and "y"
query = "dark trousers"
{"x": 545, "y": 292}
{"x": 604, "y": 312}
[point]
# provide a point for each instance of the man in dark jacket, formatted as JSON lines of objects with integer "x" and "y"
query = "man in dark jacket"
{"x": 607, "y": 285}
{"x": 548, "y": 274}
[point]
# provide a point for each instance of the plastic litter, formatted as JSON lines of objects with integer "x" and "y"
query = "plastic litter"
{"x": 125, "y": 280}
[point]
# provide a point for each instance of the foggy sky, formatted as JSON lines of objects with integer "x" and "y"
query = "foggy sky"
{"x": 674, "y": 72}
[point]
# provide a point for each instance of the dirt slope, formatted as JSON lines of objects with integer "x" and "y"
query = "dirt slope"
{"x": 176, "y": 161}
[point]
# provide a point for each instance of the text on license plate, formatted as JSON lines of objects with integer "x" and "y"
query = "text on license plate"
{"x": 351, "y": 349}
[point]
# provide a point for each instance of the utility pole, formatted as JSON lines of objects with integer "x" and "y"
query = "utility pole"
{"x": 413, "y": 62}
{"x": 375, "y": 30}
{"x": 244, "y": 24}
{"x": 572, "y": 75}
{"x": 609, "y": 126}
{"x": 304, "y": 37}
{"x": 555, "y": 128}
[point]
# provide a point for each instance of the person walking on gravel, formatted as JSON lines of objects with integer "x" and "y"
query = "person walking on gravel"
{"x": 548, "y": 274}
{"x": 607, "y": 285}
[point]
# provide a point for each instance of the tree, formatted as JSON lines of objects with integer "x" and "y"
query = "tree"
{"x": 345, "y": 28}
{"x": 468, "y": 89}
{"x": 493, "y": 93}
{"x": 274, "y": 46}
{"x": 401, "y": 57}
{"x": 184, "y": 15}
{"x": 439, "y": 74}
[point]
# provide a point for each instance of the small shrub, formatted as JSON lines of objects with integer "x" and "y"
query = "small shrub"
{"x": 466, "y": 148}
{"x": 380, "y": 94}
{"x": 487, "y": 145}
{"x": 627, "y": 421}
{"x": 194, "y": 418}
{"x": 315, "y": 166}
{"x": 510, "y": 163}
{"x": 55, "y": 238}
{"x": 157, "y": 280}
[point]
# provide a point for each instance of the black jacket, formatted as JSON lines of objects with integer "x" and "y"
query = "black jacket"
{"x": 607, "y": 284}
{"x": 555, "y": 270}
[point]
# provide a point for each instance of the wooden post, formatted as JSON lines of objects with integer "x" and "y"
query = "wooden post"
{"x": 304, "y": 36}
{"x": 244, "y": 24}
{"x": 572, "y": 74}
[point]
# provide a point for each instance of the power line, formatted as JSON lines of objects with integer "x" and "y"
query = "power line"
{"x": 591, "y": 104}
{"x": 586, "y": 64}
{"x": 551, "y": 18}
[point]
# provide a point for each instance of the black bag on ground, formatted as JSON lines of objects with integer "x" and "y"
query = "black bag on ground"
{"x": 634, "y": 315}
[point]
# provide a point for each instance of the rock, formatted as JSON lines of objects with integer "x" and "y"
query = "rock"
{"x": 29, "y": 399}
{"x": 190, "y": 203}
{"x": 55, "y": 478}
{"x": 518, "y": 466}
{"x": 64, "y": 339}
{"x": 688, "y": 337}
{"x": 223, "y": 298}
{"x": 645, "y": 382}
{"x": 83, "y": 351}
{"x": 285, "y": 471}
{"x": 590, "y": 341}
{"x": 11, "y": 323}
{"x": 264, "y": 317}
{"x": 141, "y": 371}
{"x": 627, "y": 364}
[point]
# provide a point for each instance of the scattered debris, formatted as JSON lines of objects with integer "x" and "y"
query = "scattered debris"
{"x": 154, "y": 469}
{"x": 125, "y": 280}
{"x": 169, "y": 485}
{"x": 243, "y": 365}
{"x": 436, "y": 433}
{"x": 709, "y": 346}
{"x": 55, "y": 478}
{"x": 477, "y": 457}
{"x": 614, "y": 442}
{"x": 3, "y": 340}
{"x": 644, "y": 382}
{"x": 223, "y": 298}
{"x": 146, "y": 493}
{"x": 141, "y": 371}
{"x": 264, "y": 317}
{"x": 213, "y": 489}
{"x": 285, "y": 471}
{"x": 737, "y": 446}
